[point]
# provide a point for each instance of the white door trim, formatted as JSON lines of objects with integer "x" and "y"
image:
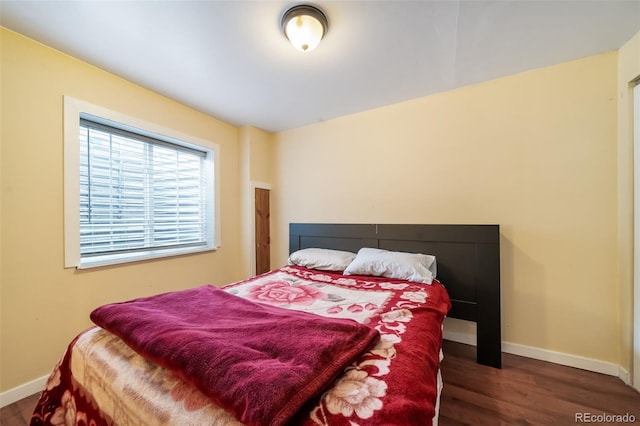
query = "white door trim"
{"x": 636, "y": 239}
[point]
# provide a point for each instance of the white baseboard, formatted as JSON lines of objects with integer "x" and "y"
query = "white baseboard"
{"x": 576, "y": 361}
{"x": 20, "y": 392}
{"x": 460, "y": 337}
{"x": 624, "y": 375}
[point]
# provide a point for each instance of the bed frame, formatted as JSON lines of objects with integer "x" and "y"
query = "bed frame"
{"x": 468, "y": 262}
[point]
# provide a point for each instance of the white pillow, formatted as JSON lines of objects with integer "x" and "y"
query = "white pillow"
{"x": 322, "y": 259}
{"x": 393, "y": 264}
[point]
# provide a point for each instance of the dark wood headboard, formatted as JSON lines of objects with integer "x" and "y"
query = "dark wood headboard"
{"x": 468, "y": 262}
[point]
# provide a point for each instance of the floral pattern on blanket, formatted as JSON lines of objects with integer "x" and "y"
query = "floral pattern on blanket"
{"x": 57, "y": 404}
{"x": 98, "y": 362}
{"x": 360, "y": 392}
{"x": 322, "y": 294}
{"x": 394, "y": 382}
{"x": 282, "y": 293}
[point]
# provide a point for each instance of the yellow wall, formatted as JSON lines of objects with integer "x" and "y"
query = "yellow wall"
{"x": 256, "y": 164}
{"x": 42, "y": 304}
{"x": 628, "y": 71}
{"x": 533, "y": 152}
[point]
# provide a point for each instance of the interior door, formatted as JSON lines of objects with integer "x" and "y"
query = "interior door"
{"x": 262, "y": 231}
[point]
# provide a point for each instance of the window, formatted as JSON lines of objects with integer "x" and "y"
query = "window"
{"x": 132, "y": 191}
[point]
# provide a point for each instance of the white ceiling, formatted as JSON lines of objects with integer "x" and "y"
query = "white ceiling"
{"x": 230, "y": 60}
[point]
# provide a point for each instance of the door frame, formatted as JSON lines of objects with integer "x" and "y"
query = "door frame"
{"x": 636, "y": 239}
{"x": 252, "y": 205}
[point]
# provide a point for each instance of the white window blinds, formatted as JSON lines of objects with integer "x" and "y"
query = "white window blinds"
{"x": 138, "y": 193}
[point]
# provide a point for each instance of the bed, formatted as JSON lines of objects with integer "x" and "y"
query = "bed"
{"x": 351, "y": 348}
{"x": 468, "y": 265}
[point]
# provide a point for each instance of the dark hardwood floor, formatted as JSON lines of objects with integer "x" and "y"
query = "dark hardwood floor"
{"x": 524, "y": 392}
{"x": 527, "y": 392}
{"x": 18, "y": 413}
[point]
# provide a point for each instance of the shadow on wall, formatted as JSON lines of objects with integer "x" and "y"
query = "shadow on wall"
{"x": 524, "y": 295}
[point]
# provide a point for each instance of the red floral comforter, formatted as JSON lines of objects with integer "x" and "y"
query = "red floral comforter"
{"x": 101, "y": 380}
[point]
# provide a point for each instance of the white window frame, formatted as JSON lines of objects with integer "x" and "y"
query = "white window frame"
{"x": 73, "y": 109}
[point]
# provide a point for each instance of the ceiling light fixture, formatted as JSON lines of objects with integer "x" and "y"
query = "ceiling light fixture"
{"x": 304, "y": 25}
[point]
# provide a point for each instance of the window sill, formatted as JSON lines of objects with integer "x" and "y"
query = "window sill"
{"x": 117, "y": 259}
